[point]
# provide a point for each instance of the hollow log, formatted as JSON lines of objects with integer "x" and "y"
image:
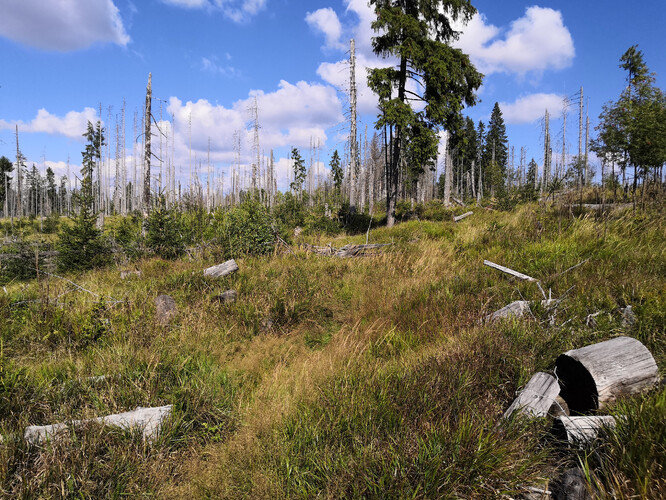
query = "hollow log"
{"x": 461, "y": 217}
{"x": 147, "y": 420}
{"x": 536, "y": 398}
{"x": 595, "y": 375}
{"x": 581, "y": 430}
{"x": 223, "y": 269}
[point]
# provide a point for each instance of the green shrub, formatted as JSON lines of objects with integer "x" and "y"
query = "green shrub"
{"x": 246, "y": 229}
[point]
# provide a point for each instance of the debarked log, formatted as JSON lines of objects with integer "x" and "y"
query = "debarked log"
{"x": 536, "y": 398}
{"x": 581, "y": 430}
{"x": 148, "y": 420}
{"x": 595, "y": 375}
{"x": 509, "y": 271}
{"x": 221, "y": 270}
{"x": 461, "y": 217}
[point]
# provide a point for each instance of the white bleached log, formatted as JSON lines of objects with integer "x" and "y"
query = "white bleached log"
{"x": 583, "y": 429}
{"x": 536, "y": 398}
{"x": 598, "y": 374}
{"x": 223, "y": 269}
{"x": 148, "y": 420}
{"x": 509, "y": 271}
{"x": 461, "y": 217}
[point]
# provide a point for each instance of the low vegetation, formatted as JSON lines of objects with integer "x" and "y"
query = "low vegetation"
{"x": 365, "y": 377}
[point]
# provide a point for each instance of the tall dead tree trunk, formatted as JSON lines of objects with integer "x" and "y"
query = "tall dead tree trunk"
{"x": 146, "y": 156}
{"x": 353, "y": 135}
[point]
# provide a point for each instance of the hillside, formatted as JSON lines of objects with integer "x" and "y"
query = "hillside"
{"x": 373, "y": 376}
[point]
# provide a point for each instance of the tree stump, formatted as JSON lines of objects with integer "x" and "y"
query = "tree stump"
{"x": 536, "y": 398}
{"x": 598, "y": 374}
{"x": 223, "y": 269}
{"x": 165, "y": 309}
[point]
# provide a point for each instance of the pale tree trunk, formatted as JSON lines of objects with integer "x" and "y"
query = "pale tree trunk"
{"x": 146, "y": 158}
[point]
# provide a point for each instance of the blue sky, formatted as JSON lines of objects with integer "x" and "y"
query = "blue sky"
{"x": 63, "y": 59}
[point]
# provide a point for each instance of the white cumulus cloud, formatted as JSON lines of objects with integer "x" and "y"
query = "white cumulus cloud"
{"x": 535, "y": 42}
{"x": 326, "y": 21}
{"x": 62, "y": 25}
{"x": 72, "y": 125}
{"x": 528, "y": 109}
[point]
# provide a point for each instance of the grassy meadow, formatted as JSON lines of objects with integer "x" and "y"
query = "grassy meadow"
{"x": 371, "y": 377}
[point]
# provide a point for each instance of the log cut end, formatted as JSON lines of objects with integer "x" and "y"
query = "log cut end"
{"x": 598, "y": 374}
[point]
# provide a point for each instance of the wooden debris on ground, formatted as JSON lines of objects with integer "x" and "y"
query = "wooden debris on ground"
{"x": 345, "y": 251}
{"x": 518, "y": 309}
{"x": 165, "y": 309}
{"x": 536, "y": 398}
{"x": 513, "y": 273}
{"x": 221, "y": 270}
{"x": 571, "y": 485}
{"x": 595, "y": 375}
{"x": 227, "y": 297}
{"x": 581, "y": 430}
{"x": 461, "y": 217}
{"x": 456, "y": 200}
{"x": 148, "y": 420}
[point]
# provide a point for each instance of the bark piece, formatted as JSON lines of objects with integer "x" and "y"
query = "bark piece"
{"x": 227, "y": 297}
{"x": 571, "y": 485}
{"x": 581, "y": 430}
{"x": 536, "y": 398}
{"x": 628, "y": 317}
{"x": 461, "y": 217}
{"x": 598, "y": 374}
{"x": 509, "y": 271}
{"x": 148, "y": 420}
{"x": 221, "y": 270}
{"x": 165, "y": 309}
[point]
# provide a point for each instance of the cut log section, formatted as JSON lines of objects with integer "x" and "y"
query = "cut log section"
{"x": 147, "y": 420}
{"x": 461, "y": 217}
{"x": 221, "y": 270}
{"x": 536, "y": 398}
{"x": 509, "y": 271}
{"x": 581, "y": 430}
{"x": 598, "y": 374}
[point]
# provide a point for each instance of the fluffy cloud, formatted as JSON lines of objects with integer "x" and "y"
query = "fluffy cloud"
{"x": 292, "y": 115}
{"x": 237, "y": 10}
{"x": 72, "y": 125}
{"x": 530, "y": 108}
{"x": 535, "y": 42}
{"x": 326, "y": 21}
{"x": 62, "y": 25}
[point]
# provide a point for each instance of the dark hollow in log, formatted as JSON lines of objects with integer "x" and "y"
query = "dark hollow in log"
{"x": 598, "y": 374}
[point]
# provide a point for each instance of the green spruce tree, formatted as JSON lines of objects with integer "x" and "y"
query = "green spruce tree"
{"x": 81, "y": 244}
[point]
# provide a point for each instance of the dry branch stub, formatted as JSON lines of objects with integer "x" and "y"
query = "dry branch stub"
{"x": 221, "y": 270}
{"x": 148, "y": 420}
{"x": 598, "y": 374}
{"x": 581, "y": 430}
{"x": 536, "y": 398}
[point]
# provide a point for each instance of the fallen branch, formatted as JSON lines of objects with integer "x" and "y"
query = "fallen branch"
{"x": 461, "y": 217}
{"x": 513, "y": 273}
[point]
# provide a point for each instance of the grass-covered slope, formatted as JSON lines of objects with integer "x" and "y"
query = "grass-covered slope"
{"x": 367, "y": 377}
